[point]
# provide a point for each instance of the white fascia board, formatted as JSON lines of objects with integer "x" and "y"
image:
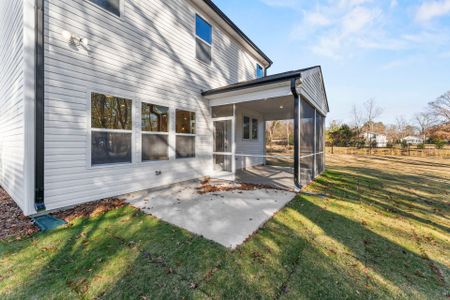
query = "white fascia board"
{"x": 29, "y": 103}
{"x": 251, "y": 94}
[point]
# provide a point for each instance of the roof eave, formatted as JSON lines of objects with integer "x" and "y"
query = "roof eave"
{"x": 230, "y": 23}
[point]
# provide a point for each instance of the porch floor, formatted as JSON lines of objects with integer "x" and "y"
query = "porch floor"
{"x": 226, "y": 217}
{"x": 275, "y": 176}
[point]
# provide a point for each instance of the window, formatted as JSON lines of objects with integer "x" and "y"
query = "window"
{"x": 111, "y": 126}
{"x": 254, "y": 129}
{"x": 203, "y": 32}
{"x": 259, "y": 71}
{"x": 155, "y": 132}
{"x": 113, "y": 6}
{"x": 185, "y": 134}
{"x": 246, "y": 131}
{"x": 250, "y": 129}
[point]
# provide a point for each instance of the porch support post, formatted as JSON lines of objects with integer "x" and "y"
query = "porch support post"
{"x": 233, "y": 144}
{"x": 296, "y": 135}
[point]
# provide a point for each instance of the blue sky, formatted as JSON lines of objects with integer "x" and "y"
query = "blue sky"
{"x": 395, "y": 51}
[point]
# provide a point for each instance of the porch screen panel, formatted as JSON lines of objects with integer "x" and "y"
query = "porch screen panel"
{"x": 307, "y": 138}
{"x": 320, "y": 161}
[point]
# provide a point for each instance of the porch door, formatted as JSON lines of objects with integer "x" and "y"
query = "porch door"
{"x": 223, "y": 146}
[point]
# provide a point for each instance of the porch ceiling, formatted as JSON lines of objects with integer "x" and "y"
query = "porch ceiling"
{"x": 281, "y": 108}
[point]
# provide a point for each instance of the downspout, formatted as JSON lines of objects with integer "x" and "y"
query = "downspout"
{"x": 294, "y": 92}
{"x": 39, "y": 106}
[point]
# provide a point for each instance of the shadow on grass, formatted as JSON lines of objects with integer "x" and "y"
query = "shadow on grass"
{"x": 305, "y": 251}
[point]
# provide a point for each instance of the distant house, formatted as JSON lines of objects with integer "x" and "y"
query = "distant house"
{"x": 379, "y": 139}
{"x": 412, "y": 140}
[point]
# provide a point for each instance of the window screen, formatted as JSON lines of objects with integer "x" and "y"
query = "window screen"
{"x": 185, "y": 146}
{"x": 113, "y": 6}
{"x": 307, "y": 139}
{"x": 155, "y": 147}
{"x": 111, "y": 129}
{"x": 110, "y": 148}
{"x": 155, "y": 132}
{"x": 259, "y": 71}
{"x": 246, "y": 128}
{"x": 254, "y": 129}
{"x": 222, "y": 111}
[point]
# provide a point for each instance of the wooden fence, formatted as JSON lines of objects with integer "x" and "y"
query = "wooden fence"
{"x": 427, "y": 152}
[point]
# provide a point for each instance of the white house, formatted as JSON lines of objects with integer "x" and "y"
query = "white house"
{"x": 100, "y": 98}
{"x": 379, "y": 139}
{"x": 413, "y": 140}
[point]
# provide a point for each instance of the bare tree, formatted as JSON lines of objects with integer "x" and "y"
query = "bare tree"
{"x": 370, "y": 113}
{"x": 357, "y": 117}
{"x": 424, "y": 121}
{"x": 441, "y": 107}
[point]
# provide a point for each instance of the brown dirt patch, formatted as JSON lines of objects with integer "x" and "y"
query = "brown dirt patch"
{"x": 92, "y": 209}
{"x": 13, "y": 224}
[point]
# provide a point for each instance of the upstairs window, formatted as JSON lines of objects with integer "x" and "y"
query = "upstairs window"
{"x": 113, "y": 6}
{"x": 203, "y": 40}
{"x": 259, "y": 71}
{"x": 111, "y": 129}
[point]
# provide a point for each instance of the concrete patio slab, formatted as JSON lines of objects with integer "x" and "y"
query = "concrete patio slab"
{"x": 227, "y": 218}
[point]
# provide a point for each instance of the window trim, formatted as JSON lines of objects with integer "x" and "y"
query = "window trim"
{"x": 210, "y": 45}
{"x": 121, "y": 8}
{"x": 114, "y": 93}
{"x": 143, "y": 132}
{"x": 185, "y": 134}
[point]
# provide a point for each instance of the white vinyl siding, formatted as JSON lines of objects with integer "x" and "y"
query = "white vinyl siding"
{"x": 15, "y": 115}
{"x": 146, "y": 54}
{"x": 252, "y": 149}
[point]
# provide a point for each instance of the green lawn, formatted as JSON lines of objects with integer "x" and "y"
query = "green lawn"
{"x": 380, "y": 230}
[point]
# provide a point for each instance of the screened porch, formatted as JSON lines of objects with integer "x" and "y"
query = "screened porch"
{"x": 239, "y": 115}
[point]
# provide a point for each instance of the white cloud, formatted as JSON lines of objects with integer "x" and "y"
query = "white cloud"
{"x": 317, "y": 19}
{"x": 394, "y": 3}
{"x": 358, "y": 19}
{"x": 429, "y": 10}
{"x": 281, "y": 3}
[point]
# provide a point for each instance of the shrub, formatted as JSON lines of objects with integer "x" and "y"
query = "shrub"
{"x": 439, "y": 144}
{"x": 421, "y": 146}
